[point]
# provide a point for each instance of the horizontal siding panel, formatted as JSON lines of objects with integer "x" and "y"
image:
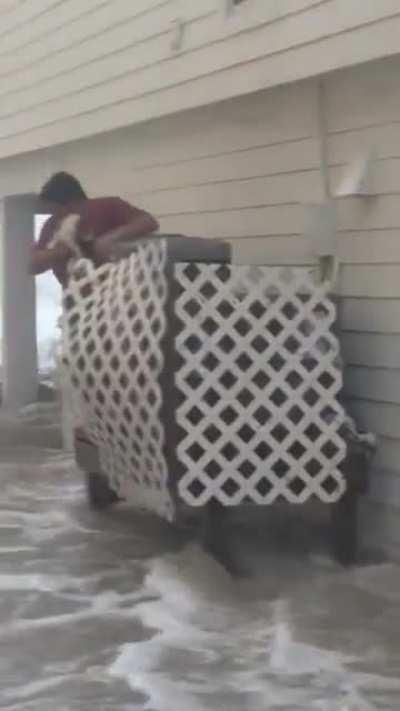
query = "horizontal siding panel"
{"x": 283, "y": 158}
{"x": 220, "y": 28}
{"x": 43, "y": 25}
{"x": 117, "y": 39}
{"x": 328, "y": 19}
{"x": 370, "y": 281}
{"x": 299, "y": 187}
{"x": 196, "y": 35}
{"x": 105, "y": 55}
{"x": 349, "y": 94}
{"x": 258, "y": 13}
{"x": 137, "y": 153}
{"x": 275, "y": 19}
{"x": 371, "y": 350}
{"x": 388, "y": 454}
{"x": 24, "y": 13}
{"x": 353, "y": 248}
{"x": 373, "y": 384}
{"x": 69, "y": 24}
{"x": 215, "y": 33}
{"x": 306, "y": 187}
{"x": 272, "y": 250}
{"x": 304, "y": 61}
{"x": 371, "y": 316}
{"x": 350, "y": 144}
{"x": 152, "y": 168}
{"x": 369, "y": 247}
{"x": 206, "y": 33}
{"x": 283, "y": 114}
{"x": 385, "y": 176}
{"x": 238, "y": 223}
{"x": 382, "y": 212}
{"x": 382, "y": 419}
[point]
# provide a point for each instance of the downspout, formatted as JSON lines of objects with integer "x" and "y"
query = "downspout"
{"x": 328, "y": 264}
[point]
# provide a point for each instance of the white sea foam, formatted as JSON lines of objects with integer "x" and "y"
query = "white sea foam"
{"x": 216, "y": 649}
{"x": 33, "y": 688}
{"x": 187, "y": 635}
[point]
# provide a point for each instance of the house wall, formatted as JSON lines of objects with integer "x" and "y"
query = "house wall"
{"x": 70, "y": 69}
{"x": 244, "y": 169}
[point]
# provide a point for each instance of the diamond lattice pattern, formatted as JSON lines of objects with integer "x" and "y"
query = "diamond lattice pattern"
{"x": 114, "y": 321}
{"x": 258, "y": 386}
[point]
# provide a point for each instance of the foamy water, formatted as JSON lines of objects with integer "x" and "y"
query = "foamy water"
{"x": 117, "y": 612}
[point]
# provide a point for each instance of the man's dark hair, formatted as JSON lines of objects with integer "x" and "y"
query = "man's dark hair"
{"x": 62, "y": 188}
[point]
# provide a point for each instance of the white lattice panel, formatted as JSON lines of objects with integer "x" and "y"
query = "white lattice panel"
{"x": 258, "y": 384}
{"x": 114, "y": 322}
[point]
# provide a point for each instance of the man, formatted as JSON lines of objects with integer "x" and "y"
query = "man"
{"x": 101, "y": 224}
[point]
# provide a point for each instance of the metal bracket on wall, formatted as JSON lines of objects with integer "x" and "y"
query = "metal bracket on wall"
{"x": 321, "y": 230}
{"x": 178, "y": 29}
{"x": 358, "y": 178}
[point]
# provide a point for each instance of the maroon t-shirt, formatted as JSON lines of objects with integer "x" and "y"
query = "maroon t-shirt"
{"x": 97, "y": 217}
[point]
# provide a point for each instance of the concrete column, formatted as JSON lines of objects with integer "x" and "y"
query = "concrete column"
{"x": 19, "y": 357}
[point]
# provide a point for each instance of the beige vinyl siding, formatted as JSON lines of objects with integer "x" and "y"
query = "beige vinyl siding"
{"x": 363, "y": 110}
{"x": 384, "y": 386}
{"x": 238, "y": 170}
{"x": 70, "y": 69}
{"x": 244, "y": 169}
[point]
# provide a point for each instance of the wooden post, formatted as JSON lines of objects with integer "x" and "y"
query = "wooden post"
{"x": 19, "y": 357}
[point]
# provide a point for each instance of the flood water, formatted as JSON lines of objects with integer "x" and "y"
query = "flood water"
{"x": 118, "y": 612}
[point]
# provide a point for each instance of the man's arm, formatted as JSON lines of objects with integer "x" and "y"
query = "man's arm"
{"x": 140, "y": 223}
{"x": 42, "y": 258}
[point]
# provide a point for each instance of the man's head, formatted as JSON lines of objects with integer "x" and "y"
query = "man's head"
{"x": 62, "y": 189}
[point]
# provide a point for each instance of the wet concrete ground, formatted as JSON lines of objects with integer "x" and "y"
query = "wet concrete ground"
{"x": 118, "y": 612}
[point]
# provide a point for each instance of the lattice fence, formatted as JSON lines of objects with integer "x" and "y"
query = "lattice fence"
{"x": 114, "y": 322}
{"x": 258, "y": 385}
{"x": 257, "y": 373}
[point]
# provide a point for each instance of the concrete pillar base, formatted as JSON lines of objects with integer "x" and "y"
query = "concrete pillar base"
{"x": 19, "y": 349}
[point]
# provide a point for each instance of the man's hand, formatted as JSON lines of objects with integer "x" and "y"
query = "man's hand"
{"x": 105, "y": 248}
{"x": 44, "y": 259}
{"x": 62, "y": 252}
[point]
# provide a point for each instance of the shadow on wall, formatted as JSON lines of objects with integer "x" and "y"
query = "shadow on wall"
{"x": 48, "y": 311}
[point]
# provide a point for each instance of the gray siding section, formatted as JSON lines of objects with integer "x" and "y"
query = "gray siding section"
{"x": 70, "y": 69}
